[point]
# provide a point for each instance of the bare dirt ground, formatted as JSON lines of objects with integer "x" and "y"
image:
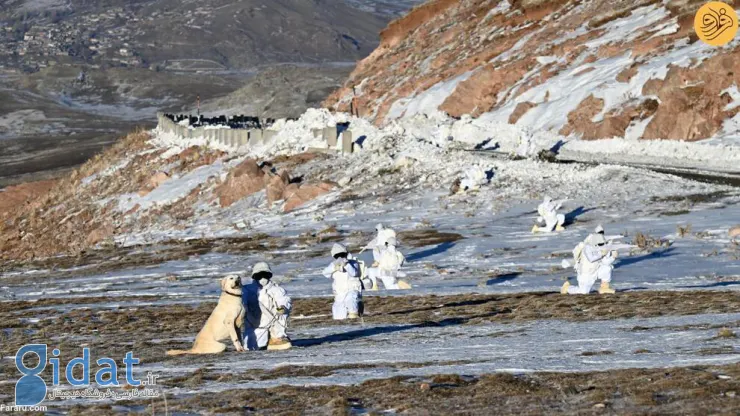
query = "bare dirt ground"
{"x": 112, "y": 326}
{"x": 693, "y": 390}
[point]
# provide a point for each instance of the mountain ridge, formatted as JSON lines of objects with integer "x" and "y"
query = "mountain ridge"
{"x": 595, "y": 70}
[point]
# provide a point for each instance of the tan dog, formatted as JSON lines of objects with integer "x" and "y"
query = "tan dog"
{"x": 225, "y": 322}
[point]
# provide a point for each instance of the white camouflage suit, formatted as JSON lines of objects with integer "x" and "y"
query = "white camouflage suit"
{"x": 592, "y": 263}
{"x": 378, "y": 243}
{"x": 548, "y": 211}
{"x": 263, "y": 321}
{"x": 475, "y": 177}
{"x": 389, "y": 261}
{"x": 346, "y": 286}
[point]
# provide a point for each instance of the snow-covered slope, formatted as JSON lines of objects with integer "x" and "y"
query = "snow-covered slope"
{"x": 594, "y": 69}
{"x": 153, "y": 187}
{"x": 146, "y": 230}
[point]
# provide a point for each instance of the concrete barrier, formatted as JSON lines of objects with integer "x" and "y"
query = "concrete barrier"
{"x": 255, "y": 137}
{"x": 347, "y": 141}
{"x": 240, "y": 137}
{"x": 330, "y": 135}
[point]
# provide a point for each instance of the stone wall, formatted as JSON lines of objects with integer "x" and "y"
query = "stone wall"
{"x": 240, "y": 131}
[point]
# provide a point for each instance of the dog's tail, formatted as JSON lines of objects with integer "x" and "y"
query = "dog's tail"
{"x": 179, "y": 352}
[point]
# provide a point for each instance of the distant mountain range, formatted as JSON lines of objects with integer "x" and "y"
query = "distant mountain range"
{"x": 76, "y": 74}
{"x": 190, "y": 35}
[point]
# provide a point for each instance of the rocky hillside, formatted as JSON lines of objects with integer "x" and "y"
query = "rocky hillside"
{"x": 83, "y": 72}
{"x": 142, "y": 183}
{"x": 596, "y": 69}
{"x": 154, "y": 188}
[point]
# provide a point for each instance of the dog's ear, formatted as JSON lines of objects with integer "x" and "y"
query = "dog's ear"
{"x": 223, "y": 284}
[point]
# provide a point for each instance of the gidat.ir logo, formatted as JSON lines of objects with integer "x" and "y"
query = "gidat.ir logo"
{"x": 31, "y": 389}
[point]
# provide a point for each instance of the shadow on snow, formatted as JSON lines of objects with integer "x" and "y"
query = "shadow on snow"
{"x": 381, "y": 330}
{"x": 438, "y": 249}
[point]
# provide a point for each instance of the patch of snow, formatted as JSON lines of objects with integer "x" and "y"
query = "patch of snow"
{"x": 730, "y": 133}
{"x": 544, "y": 60}
{"x": 427, "y": 101}
{"x": 511, "y": 52}
{"x": 617, "y": 93}
{"x": 34, "y": 5}
{"x": 110, "y": 170}
{"x": 667, "y": 28}
{"x": 637, "y": 128}
{"x": 572, "y": 34}
{"x": 29, "y": 122}
{"x": 627, "y": 29}
{"x": 734, "y": 94}
{"x": 569, "y": 88}
{"x": 564, "y": 93}
{"x": 502, "y": 7}
{"x": 709, "y": 155}
{"x": 173, "y": 189}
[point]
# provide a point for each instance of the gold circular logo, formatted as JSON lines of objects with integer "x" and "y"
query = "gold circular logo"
{"x": 716, "y": 23}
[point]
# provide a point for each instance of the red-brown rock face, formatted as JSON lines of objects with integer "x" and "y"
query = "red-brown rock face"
{"x": 245, "y": 179}
{"x": 594, "y": 69}
{"x": 248, "y": 178}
